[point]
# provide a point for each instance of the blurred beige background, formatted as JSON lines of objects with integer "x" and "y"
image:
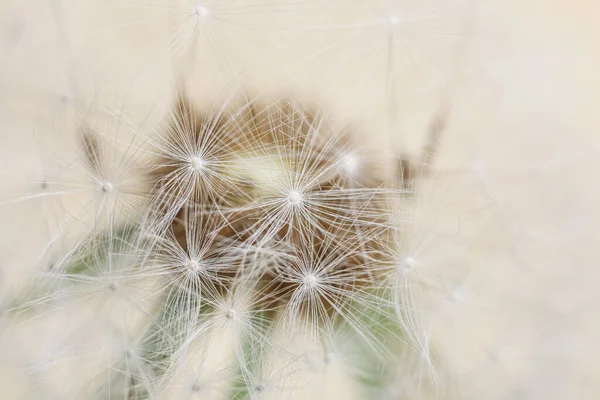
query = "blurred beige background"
{"x": 507, "y": 223}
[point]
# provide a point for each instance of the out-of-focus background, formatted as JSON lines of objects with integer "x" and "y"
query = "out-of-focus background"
{"x": 507, "y": 222}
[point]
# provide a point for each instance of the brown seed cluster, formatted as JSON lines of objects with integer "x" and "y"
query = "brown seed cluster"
{"x": 269, "y": 193}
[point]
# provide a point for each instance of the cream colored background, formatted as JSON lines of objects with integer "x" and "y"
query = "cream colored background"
{"x": 508, "y": 220}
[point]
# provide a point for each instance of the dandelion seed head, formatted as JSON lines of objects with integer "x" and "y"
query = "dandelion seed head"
{"x": 194, "y": 266}
{"x": 295, "y": 197}
{"x": 408, "y": 264}
{"x": 310, "y": 281}
{"x": 106, "y": 187}
{"x": 350, "y": 164}
{"x": 201, "y": 11}
{"x": 197, "y": 163}
{"x": 393, "y": 20}
{"x": 258, "y": 216}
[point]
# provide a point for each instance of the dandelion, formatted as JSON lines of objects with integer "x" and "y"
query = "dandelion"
{"x": 256, "y": 223}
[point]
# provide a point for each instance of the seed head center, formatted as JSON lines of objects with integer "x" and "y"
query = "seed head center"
{"x": 198, "y": 164}
{"x": 106, "y": 187}
{"x": 310, "y": 281}
{"x": 194, "y": 265}
{"x": 201, "y": 11}
{"x": 350, "y": 164}
{"x": 295, "y": 197}
{"x": 408, "y": 264}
